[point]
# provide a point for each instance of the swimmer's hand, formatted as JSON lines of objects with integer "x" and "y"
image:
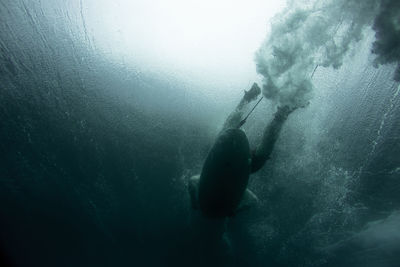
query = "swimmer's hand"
{"x": 252, "y": 93}
{"x": 283, "y": 111}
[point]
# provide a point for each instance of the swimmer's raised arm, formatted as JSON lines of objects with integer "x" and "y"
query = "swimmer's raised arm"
{"x": 270, "y": 135}
{"x": 233, "y": 120}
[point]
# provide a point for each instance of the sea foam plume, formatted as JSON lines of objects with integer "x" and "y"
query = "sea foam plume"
{"x": 315, "y": 33}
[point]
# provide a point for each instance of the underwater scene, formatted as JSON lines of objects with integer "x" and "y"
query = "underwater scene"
{"x": 200, "y": 133}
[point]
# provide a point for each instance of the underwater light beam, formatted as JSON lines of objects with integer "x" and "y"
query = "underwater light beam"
{"x": 212, "y": 39}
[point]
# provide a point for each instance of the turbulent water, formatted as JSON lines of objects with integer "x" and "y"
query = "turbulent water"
{"x": 96, "y": 155}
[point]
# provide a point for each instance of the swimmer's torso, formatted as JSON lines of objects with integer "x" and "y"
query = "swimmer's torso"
{"x": 225, "y": 174}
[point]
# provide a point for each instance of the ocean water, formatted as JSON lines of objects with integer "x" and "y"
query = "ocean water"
{"x": 95, "y": 156}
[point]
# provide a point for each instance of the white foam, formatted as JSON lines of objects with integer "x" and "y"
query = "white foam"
{"x": 305, "y": 35}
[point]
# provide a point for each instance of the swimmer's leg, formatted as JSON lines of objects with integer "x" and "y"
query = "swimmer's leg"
{"x": 271, "y": 134}
{"x": 235, "y": 117}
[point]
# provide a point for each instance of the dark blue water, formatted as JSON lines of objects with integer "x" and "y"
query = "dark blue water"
{"x": 95, "y": 157}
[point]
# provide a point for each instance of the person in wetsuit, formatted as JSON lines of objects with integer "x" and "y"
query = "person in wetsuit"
{"x": 220, "y": 190}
